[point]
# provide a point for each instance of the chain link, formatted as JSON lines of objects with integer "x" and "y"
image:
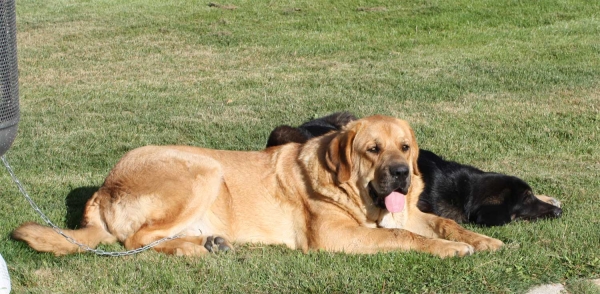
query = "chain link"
{"x": 59, "y": 231}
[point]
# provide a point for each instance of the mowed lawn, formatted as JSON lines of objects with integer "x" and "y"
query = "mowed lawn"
{"x": 507, "y": 86}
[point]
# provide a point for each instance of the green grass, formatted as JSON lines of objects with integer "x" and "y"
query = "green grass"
{"x": 508, "y": 86}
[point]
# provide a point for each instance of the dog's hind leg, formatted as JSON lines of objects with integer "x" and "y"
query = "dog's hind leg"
{"x": 194, "y": 246}
{"x": 180, "y": 205}
{"x": 184, "y": 245}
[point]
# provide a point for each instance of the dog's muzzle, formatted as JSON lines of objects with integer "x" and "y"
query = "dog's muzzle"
{"x": 390, "y": 187}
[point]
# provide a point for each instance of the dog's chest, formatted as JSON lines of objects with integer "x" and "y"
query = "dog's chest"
{"x": 392, "y": 220}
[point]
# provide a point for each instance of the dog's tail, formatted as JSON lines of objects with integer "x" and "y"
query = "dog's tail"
{"x": 45, "y": 239}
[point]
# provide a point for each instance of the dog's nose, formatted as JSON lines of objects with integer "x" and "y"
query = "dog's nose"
{"x": 557, "y": 212}
{"x": 399, "y": 171}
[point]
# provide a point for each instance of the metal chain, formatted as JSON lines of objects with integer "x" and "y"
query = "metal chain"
{"x": 59, "y": 231}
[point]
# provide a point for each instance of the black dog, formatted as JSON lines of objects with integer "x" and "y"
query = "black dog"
{"x": 456, "y": 191}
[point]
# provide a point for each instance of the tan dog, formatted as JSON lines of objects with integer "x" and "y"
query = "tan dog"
{"x": 329, "y": 194}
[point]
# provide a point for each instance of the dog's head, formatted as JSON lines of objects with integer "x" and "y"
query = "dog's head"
{"x": 379, "y": 155}
{"x": 285, "y": 134}
{"x": 506, "y": 198}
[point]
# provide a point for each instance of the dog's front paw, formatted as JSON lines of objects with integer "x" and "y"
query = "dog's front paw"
{"x": 452, "y": 249}
{"x": 487, "y": 243}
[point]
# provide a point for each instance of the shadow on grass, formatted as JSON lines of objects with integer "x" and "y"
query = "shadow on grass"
{"x": 75, "y": 202}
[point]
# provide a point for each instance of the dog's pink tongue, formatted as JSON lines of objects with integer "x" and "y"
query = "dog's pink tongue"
{"x": 394, "y": 202}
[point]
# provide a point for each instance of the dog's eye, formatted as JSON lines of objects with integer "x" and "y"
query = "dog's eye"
{"x": 374, "y": 149}
{"x": 405, "y": 148}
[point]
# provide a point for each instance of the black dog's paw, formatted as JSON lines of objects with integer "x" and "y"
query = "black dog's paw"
{"x": 217, "y": 244}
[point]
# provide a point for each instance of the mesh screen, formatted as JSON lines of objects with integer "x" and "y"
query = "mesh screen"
{"x": 9, "y": 84}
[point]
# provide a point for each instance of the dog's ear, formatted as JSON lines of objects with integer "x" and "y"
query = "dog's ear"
{"x": 339, "y": 155}
{"x": 414, "y": 153}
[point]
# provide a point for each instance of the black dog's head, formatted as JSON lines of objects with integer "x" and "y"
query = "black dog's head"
{"x": 500, "y": 199}
{"x": 317, "y": 127}
{"x": 285, "y": 134}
